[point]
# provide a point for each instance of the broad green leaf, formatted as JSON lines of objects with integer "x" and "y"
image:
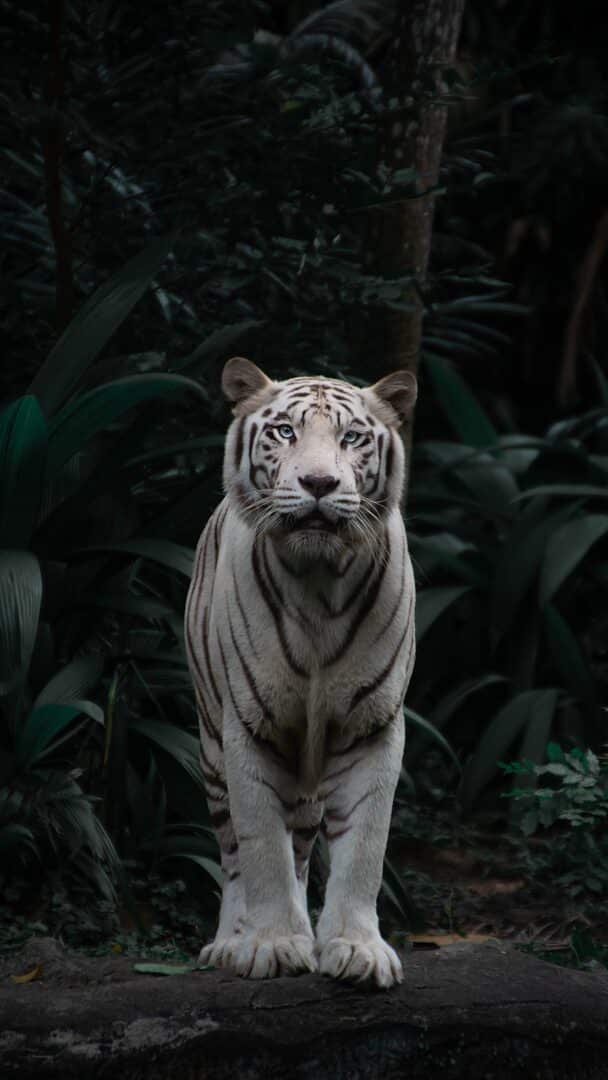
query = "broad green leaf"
{"x": 208, "y": 865}
{"x": 13, "y": 835}
{"x": 582, "y": 491}
{"x": 394, "y": 889}
{"x": 460, "y": 406}
{"x": 23, "y": 448}
{"x": 536, "y": 735}
{"x": 498, "y": 737}
{"x": 20, "y": 599}
{"x": 429, "y": 729}
{"x": 205, "y": 442}
{"x": 93, "y": 326}
{"x": 448, "y": 705}
{"x": 491, "y": 483}
{"x": 218, "y": 344}
{"x": 522, "y": 554}
{"x": 75, "y": 679}
{"x": 175, "y": 556}
{"x": 601, "y": 380}
{"x": 180, "y": 745}
{"x": 433, "y": 602}
{"x": 568, "y": 656}
{"x": 41, "y": 728}
{"x": 95, "y": 411}
{"x": 567, "y": 547}
{"x": 445, "y": 550}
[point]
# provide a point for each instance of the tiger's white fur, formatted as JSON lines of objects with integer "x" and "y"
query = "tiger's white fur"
{"x": 300, "y": 640}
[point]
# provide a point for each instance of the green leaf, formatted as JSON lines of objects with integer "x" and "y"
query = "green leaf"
{"x": 566, "y": 548}
{"x": 433, "y": 602}
{"x": 43, "y": 725}
{"x": 93, "y": 326}
{"x": 522, "y": 553}
{"x": 538, "y": 729}
{"x": 23, "y": 448}
{"x": 460, "y": 406}
{"x": 20, "y": 600}
{"x": 208, "y": 865}
{"x": 168, "y": 969}
{"x": 180, "y": 745}
{"x": 75, "y": 679}
{"x": 13, "y": 835}
{"x": 429, "y": 729}
{"x": 166, "y": 552}
{"x": 96, "y": 410}
{"x": 218, "y": 344}
{"x": 448, "y": 705}
{"x": 531, "y": 707}
{"x": 568, "y": 656}
{"x": 583, "y": 491}
{"x": 394, "y": 889}
{"x": 602, "y": 381}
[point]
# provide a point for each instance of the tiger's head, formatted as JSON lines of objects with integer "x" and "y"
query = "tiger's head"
{"x": 315, "y": 462}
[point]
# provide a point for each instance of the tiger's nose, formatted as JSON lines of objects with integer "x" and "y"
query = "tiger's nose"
{"x": 319, "y": 485}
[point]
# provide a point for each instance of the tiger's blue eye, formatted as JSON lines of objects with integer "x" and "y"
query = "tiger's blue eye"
{"x": 350, "y": 437}
{"x": 286, "y": 431}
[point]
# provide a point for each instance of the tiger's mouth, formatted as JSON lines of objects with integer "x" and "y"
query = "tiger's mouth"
{"x": 314, "y": 522}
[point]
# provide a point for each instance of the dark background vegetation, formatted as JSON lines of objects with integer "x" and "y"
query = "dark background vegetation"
{"x": 200, "y": 184}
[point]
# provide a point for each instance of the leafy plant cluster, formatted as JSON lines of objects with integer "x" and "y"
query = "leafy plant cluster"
{"x": 581, "y": 794}
{"x": 573, "y": 790}
{"x": 508, "y": 534}
{"x": 94, "y": 776}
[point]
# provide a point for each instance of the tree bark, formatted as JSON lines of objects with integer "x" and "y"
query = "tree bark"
{"x": 412, "y": 134}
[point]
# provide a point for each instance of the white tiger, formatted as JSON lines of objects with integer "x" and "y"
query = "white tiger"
{"x": 300, "y": 640}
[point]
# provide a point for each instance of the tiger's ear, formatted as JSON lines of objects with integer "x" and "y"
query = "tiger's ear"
{"x": 241, "y": 379}
{"x": 399, "y": 390}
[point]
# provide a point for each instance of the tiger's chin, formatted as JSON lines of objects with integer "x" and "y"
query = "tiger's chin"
{"x": 314, "y": 545}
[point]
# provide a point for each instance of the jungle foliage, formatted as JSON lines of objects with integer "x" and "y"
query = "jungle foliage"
{"x": 199, "y": 185}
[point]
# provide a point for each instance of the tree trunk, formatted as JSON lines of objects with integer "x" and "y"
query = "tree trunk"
{"x": 466, "y": 1012}
{"x": 412, "y": 134}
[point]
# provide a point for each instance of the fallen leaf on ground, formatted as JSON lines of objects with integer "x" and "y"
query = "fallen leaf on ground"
{"x": 170, "y": 969}
{"x": 164, "y": 969}
{"x": 35, "y": 973}
{"x": 495, "y": 886}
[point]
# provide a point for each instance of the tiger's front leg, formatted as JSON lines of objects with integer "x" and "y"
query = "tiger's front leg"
{"x": 274, "y": 936}
{"x": 358, "y": 789}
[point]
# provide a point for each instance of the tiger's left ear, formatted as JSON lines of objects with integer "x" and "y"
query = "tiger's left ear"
{"x": 399, "y": 390}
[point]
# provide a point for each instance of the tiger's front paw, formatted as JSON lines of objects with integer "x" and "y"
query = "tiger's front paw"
{"x": 262, "y": 956}
{"x": 371, "y": 960}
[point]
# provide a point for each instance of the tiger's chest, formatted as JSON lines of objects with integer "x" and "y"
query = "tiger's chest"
{"x": 298, "y": 653}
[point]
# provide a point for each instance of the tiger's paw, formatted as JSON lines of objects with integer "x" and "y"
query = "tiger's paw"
{"x": 372, "y": 960}
{"x": 262, "y": 956}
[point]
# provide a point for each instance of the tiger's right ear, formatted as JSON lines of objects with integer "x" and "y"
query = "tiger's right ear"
{"x": 242, "y": 380}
